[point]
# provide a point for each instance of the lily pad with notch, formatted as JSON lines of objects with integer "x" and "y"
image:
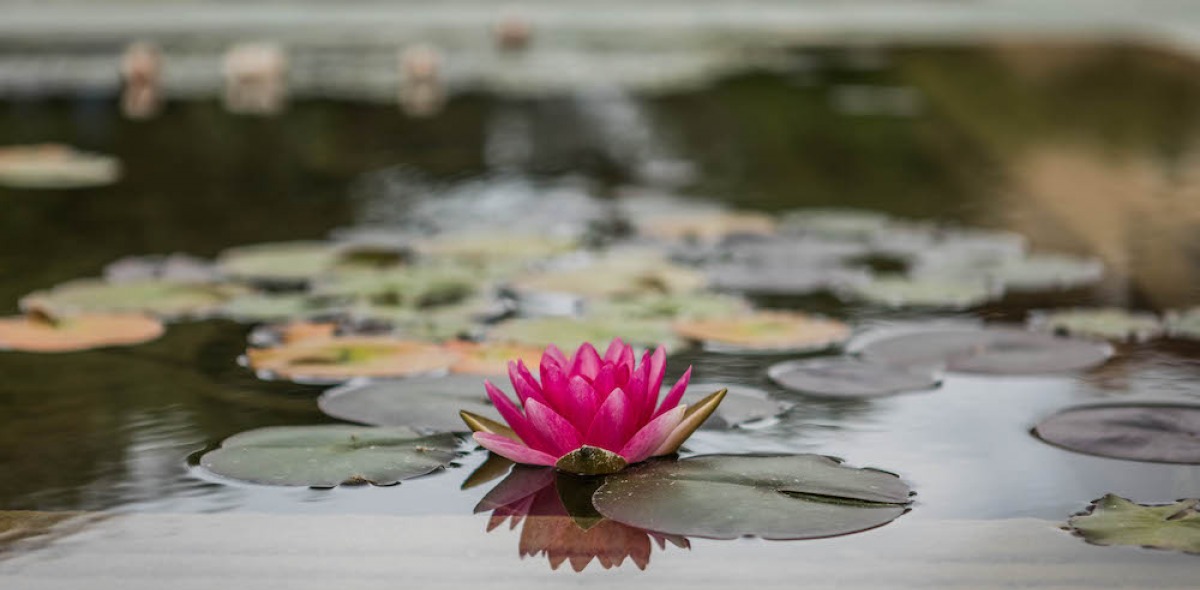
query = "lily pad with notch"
{"x": 425, "y": 404}
{"x": 850, "y": 377}
{"x": 998, "y": 351}
{"x": 1152, "y": 432}
{"x": 329, "y": 455}
{"x": 1113, "y": 520}
{"x": 767, "y": 496}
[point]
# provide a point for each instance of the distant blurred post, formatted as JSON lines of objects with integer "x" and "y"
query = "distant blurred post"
{"x": 422, "y": 93}
{"x": 255, "y": 79}
{"x": 141, "y": 76}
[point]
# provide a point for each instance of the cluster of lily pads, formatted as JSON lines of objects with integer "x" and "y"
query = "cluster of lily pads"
{"x": 407, "y": 321}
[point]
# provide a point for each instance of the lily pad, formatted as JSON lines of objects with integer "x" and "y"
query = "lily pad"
{"x": 755, "y": 280}
{"x": 178, "y": 268}
{"x": 765, "y": 331}
{"x": 772, "y": 497}
{"x": 492, "y": 250}
{"x": 268, "y": 307}
{"x": 425, "y": 404}
{"x": 165, "y": 299}
{"x": 901, "y": 292}
{"x": 327, "y": 456}
{"x": 667, "y": 307}
{"x": 296, "y": 263}
{"x": 491, "y": 358}
{"x": 1108, "y": 323}
{"x": 337, "y": 359}
{"x": 444, "y": 322}
{"x": 788, "y": 253}
{"x": 1044, "y": 272}
{"x": 569, "y": 333}
{"x": 742, "y": 405}
{"x": 705, "y": 226}
{"x": 36, "y": 332}
{"x": 986, "y": 350}
{"x": 416, "y": 287}
{"x": 849, "y": 377}
{"x": 1113, "y": 520}
{"x": 621, "y": 275}
{"x": 852, "y": 224}
{"x": 1160, "y": 433}
{"x": 1184, "y": 324}
{"x": 54, "y": 166}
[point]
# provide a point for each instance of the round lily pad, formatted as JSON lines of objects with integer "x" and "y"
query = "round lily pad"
{"x": 569, "y": 333}
{"x": 625, "y": 275}
{"x": 1184, "y": 324}
{"x": 664, "y": 306}
{"x": 425, "y": 404}
{"x": 705, "y": 226}
{"x": 1160, "y": 433}
{"x": 35, "y": 332}
{"x": 772, "y": 497}
{"x": 742, "y": 405}
{"x": 491, "y": 358}
{"x": 765, "y": 280}
{"x": 1042, "y": 272}
{"x": 54, "y": 166}
{"x": 337, "y": 359}
{"x": 179, "y": 268}
{"x": 327, "y": 456}
{"x": 794, "y": 252}
{"x": 849, "y": 377}
{"x": 489, "y": 249}
{"x": 270, "y": 307}
{"x": 835, "y": 223}
{"x": 165, "y": 299}
{"x": 283, "y": 263}
{"x": 1113, "y": 520}
{"x": 986, "y": 350}
{"x": 899, "y": 292}
{"x": 1108, "y": 323}
{"x": 416, "y": 287}
{"x": 765, "y": 331}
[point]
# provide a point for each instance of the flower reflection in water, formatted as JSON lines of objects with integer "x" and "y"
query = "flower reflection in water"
{"x": 557, "y": 520}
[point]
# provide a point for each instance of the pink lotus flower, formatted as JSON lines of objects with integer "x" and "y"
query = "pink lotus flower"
{"x": 589, "y": 414}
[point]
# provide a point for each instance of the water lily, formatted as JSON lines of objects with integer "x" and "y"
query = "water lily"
{"x": 591, "y": 414}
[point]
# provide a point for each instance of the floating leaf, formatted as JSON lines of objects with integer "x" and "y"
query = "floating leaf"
{"x": 621, "y": 275}
{"x": 36, "y": 332}
{"x": 425, "y": 404}
{"x": 705, "y": 226}
{"x": 492, "y": 250}
{"x": 165, "y": 299}
{"x": 986, "y": 350}
{"x": 415, "y": 287}
{"x": 1161, "y": 433}
{"x": 1184, "y": 324}
{"x": 849, "y": 377}
{"x": 792, "y": 253}
{"x": 741, "y": 405}
{"x": 666, "y": 307}
{"x": 268, "y": 307}
{"x": 765, "y": 331}
{"x": 773, "y": 497}
{"x": 569, "y": 333}
{"x": 54, "y": 166}
{"x": 339, "y": 359}
{"x": 1047, "y": 271}
{"x": 753, "y": 280}
{"x": 444, "y": 322}
{"x": 1109, "y": 323}
{"x": 327, "y": 456}
{"x": 924, "y": 293}
{"x": 1113, "y": 520}
{"x": 286, "y": 262}
{"x": 178, "y": 268}
{"x": 850, "y": 224}
{"x": 491, "y": 358}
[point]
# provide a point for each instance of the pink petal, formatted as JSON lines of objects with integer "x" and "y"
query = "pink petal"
{"x": 515, "y": 419}
{"x": 581, "y": 403}
{"x": 658, "y": 365}
{"x": 554, "y": 384}
{"x": 555, "y": 355}
{"x": 627, "y": 357}
{"x": 587, "y": 361}
{"x": 639, "y": 396}
{"x": 676, "y": 393}
{"x": 605, "y": 381}
{"x": 609, "y": 428}
{"x": 613, "y": 353}
{"x": 556, "y": 430}
{"x": 651, "y": 436}
{"x": 513, "y": 451}
{"x": 523, "y": 383}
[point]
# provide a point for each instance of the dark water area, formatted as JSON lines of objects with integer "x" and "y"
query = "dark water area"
{"x": 1085, "y": 150}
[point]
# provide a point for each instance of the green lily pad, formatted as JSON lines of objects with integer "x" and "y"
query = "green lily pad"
{"x": 327, "y": 456}
{"x": 269, "y": 307}
{"x": 178, "y": 268}
{"x": 1108, "y": 323}
{"x": 742, "y": 405}
{"x": 849, "y": 377}
{"x": 772, "y": 497}
{"x": 668, "y": 307}
{"x": 899, "y": 292}
{"x": 985, "y": 350}
{"x": 1043, "y": 272}
{"x": 445, "y": 322}
{"x": 340, "y": 358}
{"x": 165, "y": 299}
{"x": 624, "y": 274}
{"x": 851, "y": 224}
{"x": 1113, "y": 520}
{"x": 425, "y": 404}
{"x": 415, "y": 287}
{"x": 764, "y": 331}
{"x": 292, "y": 263}
{"x": 54, "y": 166}
{"x": 794, "y": 252}
{"x": 1184, "y": 324}
{"x": 569, "y": 333}
{"x": 492, "y": 250}
{"x": 766, "y": 280}
{"x": 1154, "y": 432}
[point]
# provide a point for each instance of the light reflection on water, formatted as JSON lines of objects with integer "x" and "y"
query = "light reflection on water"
{"x": 112, "y": 429}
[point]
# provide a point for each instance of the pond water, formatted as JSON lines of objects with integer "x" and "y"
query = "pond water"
{"x": 1085, "y": 150}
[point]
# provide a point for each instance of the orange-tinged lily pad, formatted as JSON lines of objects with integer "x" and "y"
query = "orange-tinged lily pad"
{"x": 765, "y": 331}
{"x": 38, "y": 333}
{"x": 332, "y": 360}
{"x": 491, "y": 358}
